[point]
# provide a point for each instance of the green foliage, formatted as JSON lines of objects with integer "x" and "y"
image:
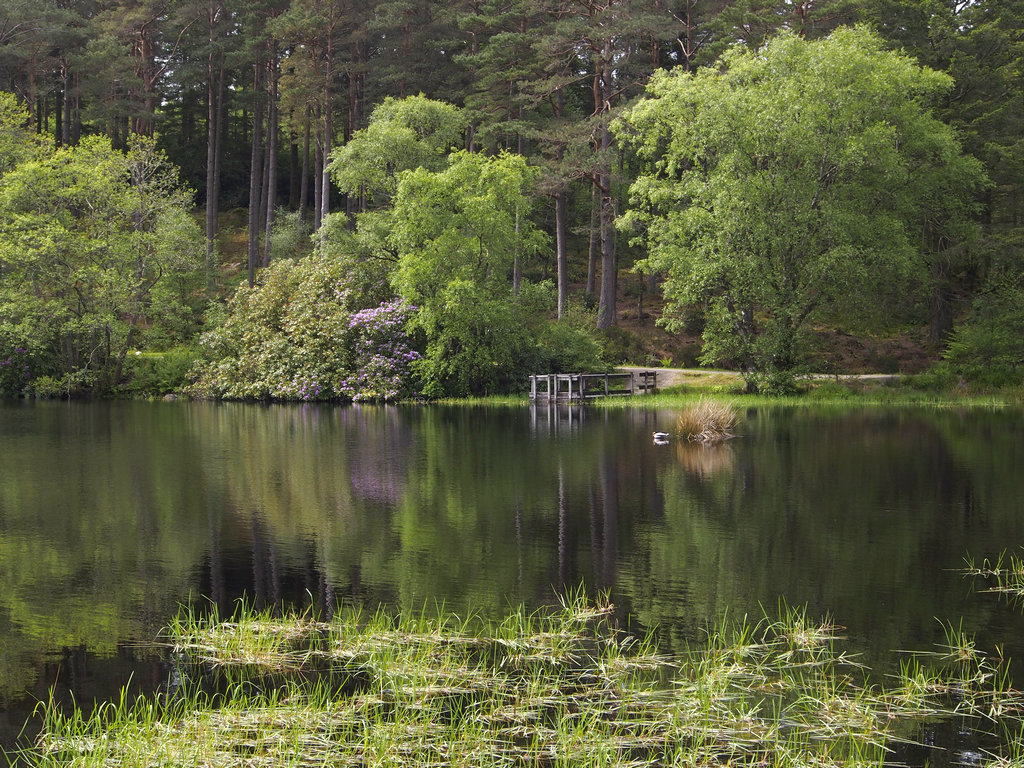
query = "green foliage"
{"x": 568, "y": 346}
{"x": 791, "y": 182}
{"x": 460, "y": 234}
{"x": 467, "y": 222}
{"x": 159, "y": 373}
{"x": 989, "y": 347}
{"x": 283, "y": 337}
{"x": 403, "y": 134}
{"x": 293, "y": 337}
{"x": 17, "y": 143}
{"x": 97, "y": 250}
{"x": 368, "y": 269}
{"x": 478, "y": 343}
{"x": 290, "y": 236}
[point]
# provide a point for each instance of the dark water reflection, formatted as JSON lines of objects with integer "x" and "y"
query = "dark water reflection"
{"x": 111, "y": 515}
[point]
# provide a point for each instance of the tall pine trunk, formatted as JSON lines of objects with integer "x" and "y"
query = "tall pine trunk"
{"x": 255, "y": 172}
{"x": 606, "y": 314}
{"x": 561, "y": 254}
{"x": 270, "y": 193}
{"x": 325, "y": 174}
{"x": 214, "y": 97}
{"x": 593, "y": 247}
{"x": 304, "y": 176}
{"x": 317, "y": 186}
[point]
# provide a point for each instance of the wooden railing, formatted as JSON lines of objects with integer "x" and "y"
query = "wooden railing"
{"x": 587, "y": 386}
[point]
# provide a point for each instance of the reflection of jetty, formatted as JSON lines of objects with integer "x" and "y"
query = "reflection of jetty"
{"x": 586, "y": 386}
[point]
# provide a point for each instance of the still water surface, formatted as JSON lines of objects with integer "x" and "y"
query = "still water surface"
{"x": 114, "y": 514}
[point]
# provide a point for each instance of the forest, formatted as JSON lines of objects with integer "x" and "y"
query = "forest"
{"x": 374, "y": 199}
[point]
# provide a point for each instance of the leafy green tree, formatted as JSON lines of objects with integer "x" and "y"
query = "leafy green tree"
{"x": 18, "y": 143}
{"x": 470, "y": 222}
{"x": 98, "y": 249}
{"x": 402, "y": 135}
{"x": 789, "y": 182}
{"x": 461, "y": 235}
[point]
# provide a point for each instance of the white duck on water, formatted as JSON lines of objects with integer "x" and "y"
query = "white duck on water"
{"x": 660, "y": 438}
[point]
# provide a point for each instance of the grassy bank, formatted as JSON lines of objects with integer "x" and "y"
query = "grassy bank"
{"x": 681, "y": 397}
{"x": 561, "y": 688}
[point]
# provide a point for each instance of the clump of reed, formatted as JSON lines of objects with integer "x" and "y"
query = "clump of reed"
{"x": 707, "y": 421}
{"x": 1004, "y": 575}
{"x": 558, "y": 688}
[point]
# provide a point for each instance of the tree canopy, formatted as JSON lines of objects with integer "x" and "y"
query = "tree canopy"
{"x": 97, "y": 253}
{"x": 301, "y": 114}
{"x": 791, "y": 181}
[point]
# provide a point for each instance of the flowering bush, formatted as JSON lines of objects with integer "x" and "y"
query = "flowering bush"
{"x": 296, "y": 336}
{"x": 382, "y": 352}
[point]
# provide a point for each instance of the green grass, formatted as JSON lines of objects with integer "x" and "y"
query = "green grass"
{"x": 1003, "y": 575}
{"x": 565, "y": 687}
{"x": 879, "y": 396}
{"x": 489, "y": 400}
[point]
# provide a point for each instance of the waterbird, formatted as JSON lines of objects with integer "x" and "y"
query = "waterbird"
{"x": 660, "y": 438}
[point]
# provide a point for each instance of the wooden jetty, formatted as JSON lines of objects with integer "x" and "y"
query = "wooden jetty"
{"x": 577, "y": 387}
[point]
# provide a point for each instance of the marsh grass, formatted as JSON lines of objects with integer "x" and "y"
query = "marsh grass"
{"x": 708, "y": 422}
{"x": 1004, "y": 575}
{"x": 564, "y": 687}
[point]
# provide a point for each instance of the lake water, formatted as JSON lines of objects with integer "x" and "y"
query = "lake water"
{"x": 112, "y": 515}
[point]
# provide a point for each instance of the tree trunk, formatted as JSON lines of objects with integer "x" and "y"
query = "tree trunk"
{"x": 304, "y": 178}
{"x": 76, "y": 110}
{"x": 58, "y": 127}
{"x": 271, "y": 186}
{"x": 325, "y": 174}
{"x": 561, "y": 254}
{"x": 214, "y": 95}
{"x": 148, "y": 72}
{"x": 293, "y": 171}
{"x": 356, "y": 86}
{"x": 255, "y": 173}
{"x": 211, "y": 198}
{"x": 317, "y": 187}
{"x": 606, "y": 316}
{"x": 67, "y": 104}
{"x": 606, "y": 311}
{"x": 592, "y": 251}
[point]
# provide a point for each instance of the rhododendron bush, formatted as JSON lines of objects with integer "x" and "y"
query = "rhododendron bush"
{"x": 297, "y": 335}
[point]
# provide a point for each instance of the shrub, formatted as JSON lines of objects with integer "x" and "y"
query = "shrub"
{"x": 381, "y": 353}
{"x": 565, "y": 347}
{"x": 159, "y": 373}
{"x": 989, "y": 347}
{"x": 297, "y": 336}
{"x": 477, "y": 343}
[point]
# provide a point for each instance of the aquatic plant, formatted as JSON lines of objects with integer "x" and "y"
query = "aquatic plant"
{"x": 1004, "y": 575}
{"x": 556, "y": 688}
{"x": 706, "y": 421}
